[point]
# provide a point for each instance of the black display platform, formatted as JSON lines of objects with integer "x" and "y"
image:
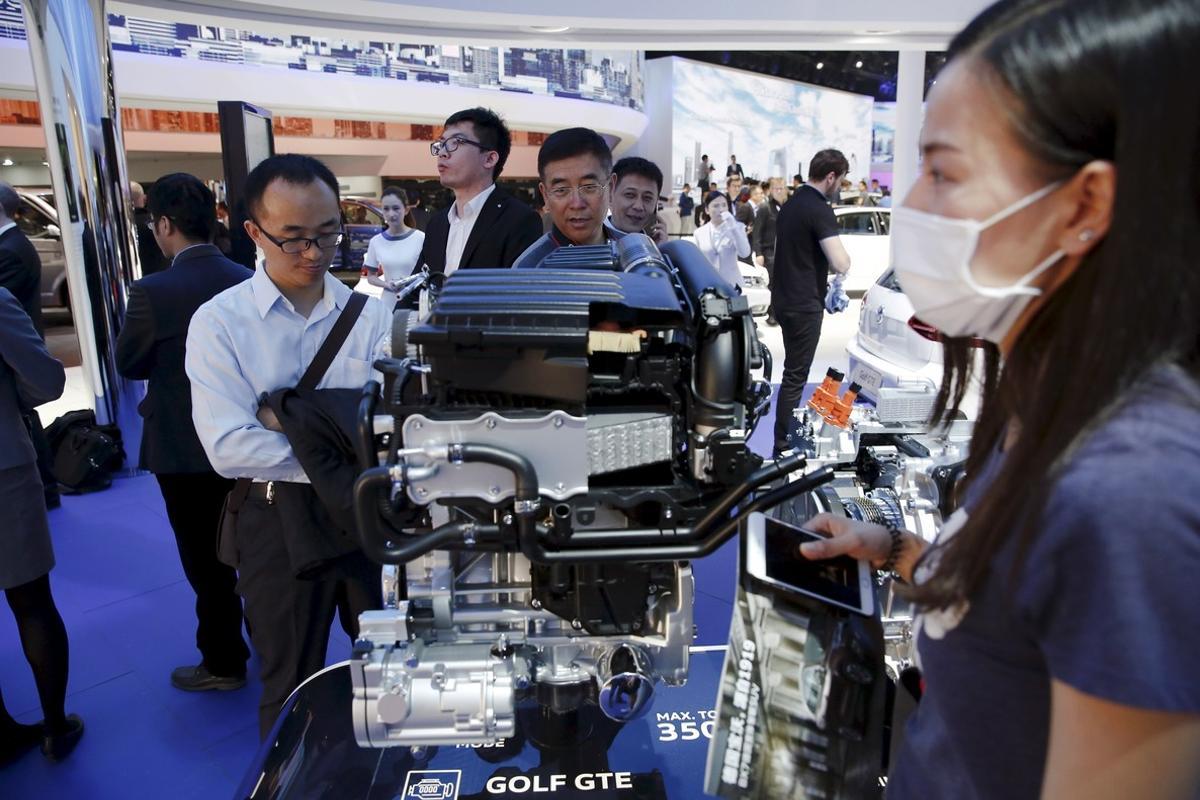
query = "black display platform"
{"x": 312, "y": 754}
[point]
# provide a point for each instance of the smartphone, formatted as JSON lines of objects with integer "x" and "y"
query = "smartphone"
{"x": 772, "y": 557}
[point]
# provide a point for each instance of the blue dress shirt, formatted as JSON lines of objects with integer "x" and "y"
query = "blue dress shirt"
{"x": 249, "y": 340}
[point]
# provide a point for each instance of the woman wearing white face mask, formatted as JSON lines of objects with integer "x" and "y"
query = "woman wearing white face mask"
{"x": 722, "y": 239}
{"x": 1059, "y": 632}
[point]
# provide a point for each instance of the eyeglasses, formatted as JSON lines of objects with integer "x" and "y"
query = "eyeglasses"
{"x": 588, "y": 191}
{"x": 450, "y": 145}
{"x": 300, "y": 244}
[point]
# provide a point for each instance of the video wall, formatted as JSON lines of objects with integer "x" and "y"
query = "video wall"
{"x": 605, "y": 76}
{"x": 773, "y": 126}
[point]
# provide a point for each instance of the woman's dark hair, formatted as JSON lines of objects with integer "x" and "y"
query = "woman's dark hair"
{"x": 1081, "y": 81}
{"x": 401, "y": 195}
{"x": 290, "y": 168}
{"x": 187, "y": 202}
{"x": 490, "y": 130}
{"x": 708, "y": 198}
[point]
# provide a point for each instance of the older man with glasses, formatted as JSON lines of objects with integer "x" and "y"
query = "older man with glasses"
{"x": 485, "y": 226}
{"x": 260, "y": 336}
{"x": 575, "y": 168}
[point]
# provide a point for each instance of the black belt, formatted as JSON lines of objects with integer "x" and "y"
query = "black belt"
{"x": 263, "y": 491}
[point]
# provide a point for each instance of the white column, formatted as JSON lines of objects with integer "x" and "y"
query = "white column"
{"x": 910, "y": 90}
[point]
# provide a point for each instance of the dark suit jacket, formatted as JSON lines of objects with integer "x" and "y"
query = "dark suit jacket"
{"x": 151, "y": 346}
{"x": 21, "y": 273}
{"x": 504, "y": 229}
{"x": 764, "y": 230}
{"x": 29, "y": 376}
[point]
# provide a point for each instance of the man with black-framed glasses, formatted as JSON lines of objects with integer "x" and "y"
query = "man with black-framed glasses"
{"x": 250, "y": 341}
{"x": 485, "y": 226}
{"x": 575, "y": 168}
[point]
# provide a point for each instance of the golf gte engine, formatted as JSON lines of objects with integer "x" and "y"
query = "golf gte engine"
{"x": 562, "y": 441}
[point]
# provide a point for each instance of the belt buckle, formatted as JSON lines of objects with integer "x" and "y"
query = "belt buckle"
{"x": 270, "y": 492}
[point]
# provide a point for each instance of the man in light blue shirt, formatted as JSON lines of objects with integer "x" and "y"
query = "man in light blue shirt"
{"x": 254, "y": 339}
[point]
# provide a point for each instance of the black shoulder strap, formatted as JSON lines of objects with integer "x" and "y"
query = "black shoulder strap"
{"x": 333, "y": 342}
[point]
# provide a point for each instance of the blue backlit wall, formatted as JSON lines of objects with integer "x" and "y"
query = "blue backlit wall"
{"x": 771, "y": 125}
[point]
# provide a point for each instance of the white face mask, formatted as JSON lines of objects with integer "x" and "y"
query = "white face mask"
{"x": 932, "y": 258}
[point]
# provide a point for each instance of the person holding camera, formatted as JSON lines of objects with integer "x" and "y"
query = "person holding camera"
{"x": 1058, "y": 614}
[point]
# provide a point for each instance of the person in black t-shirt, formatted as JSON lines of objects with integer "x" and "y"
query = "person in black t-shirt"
{"x": 806, "y": 246}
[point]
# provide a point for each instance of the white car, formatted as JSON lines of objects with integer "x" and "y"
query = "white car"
{"x": 886, "y": 351}
{"x": 756, "y": 286}
{"x": 866, "y": 234}
{"x": 891, "y": 350}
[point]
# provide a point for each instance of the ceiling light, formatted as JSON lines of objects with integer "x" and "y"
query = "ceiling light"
{"x": 549, "y": 28}
{"x": 820, "y": 65}
{"x": 858, "y": 64}
{"x": 45, "y": 163}
{"x": 8, "y": 162}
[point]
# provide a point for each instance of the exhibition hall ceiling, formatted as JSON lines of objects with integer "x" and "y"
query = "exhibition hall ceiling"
{"x": 635, "y": 24}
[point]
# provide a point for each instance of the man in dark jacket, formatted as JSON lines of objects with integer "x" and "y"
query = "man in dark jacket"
{"x": 20, "y": 267}
{"x": 151, "y": 346}
{"x": 764, "y": 234}
{"x": 485, "y": 226}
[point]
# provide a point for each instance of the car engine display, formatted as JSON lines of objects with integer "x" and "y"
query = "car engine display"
{"x": 560, "y": 442}
{"x": 892, "y": 468}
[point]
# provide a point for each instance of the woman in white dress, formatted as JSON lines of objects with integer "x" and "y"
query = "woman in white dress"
{"x": 392, "y": 253}
{"x": 722, "y": 238}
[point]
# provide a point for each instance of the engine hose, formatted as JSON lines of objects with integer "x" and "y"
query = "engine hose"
{"x": 376, "y": 541}
{"x": 398, "y": 387}
{"x": 364, "y": 444}
{"x": 684, "y": 545}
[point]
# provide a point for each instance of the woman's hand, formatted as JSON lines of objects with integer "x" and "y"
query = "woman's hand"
{"x": 847, "y": 537}
{"x": 864, "y": 541}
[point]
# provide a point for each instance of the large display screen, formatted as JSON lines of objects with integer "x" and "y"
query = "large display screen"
{"x": 773, "y": 126}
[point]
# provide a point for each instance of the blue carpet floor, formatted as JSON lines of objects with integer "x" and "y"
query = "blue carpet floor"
{"x": 130, "y": 619}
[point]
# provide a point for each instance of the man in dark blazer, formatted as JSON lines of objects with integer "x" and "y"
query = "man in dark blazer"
{"x": 20, "y": 267}
{"x": 151, "y": 346}
{"x": 485, "y": 226}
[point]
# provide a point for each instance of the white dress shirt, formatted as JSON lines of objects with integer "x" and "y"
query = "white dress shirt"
{"x": 4, "y": 228}
{"x": 249, "y": 340}
{"x": 723, "y": 245}
{"x": 460, "y": 227}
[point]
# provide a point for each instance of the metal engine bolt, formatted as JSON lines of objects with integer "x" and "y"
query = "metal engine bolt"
{"x": 490, "y": 424}
{"x": 652, "y": 588}
{"x": 418, "y": 752}
{"x": 422, "y": 492}
{"x": 507, "y": 519}
{"x": 411, "y": 662}
{"x": 576, "y": 624}
{"x": 668, "y": 513}
{"x": 417, "y": 425}
{"x": 521, "y": 682}
{"x": 560, "y": 486}
{"x": 494, "y": 490}
{"x": 558, "y": 423}
{"x": 535, "y": 604}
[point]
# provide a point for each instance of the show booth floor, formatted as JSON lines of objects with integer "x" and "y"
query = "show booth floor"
{"x": 130, "y": 619}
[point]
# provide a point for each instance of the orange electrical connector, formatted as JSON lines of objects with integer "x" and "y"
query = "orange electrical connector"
{"x": 825, "y": 396}
{"x": 840, "y": 414}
